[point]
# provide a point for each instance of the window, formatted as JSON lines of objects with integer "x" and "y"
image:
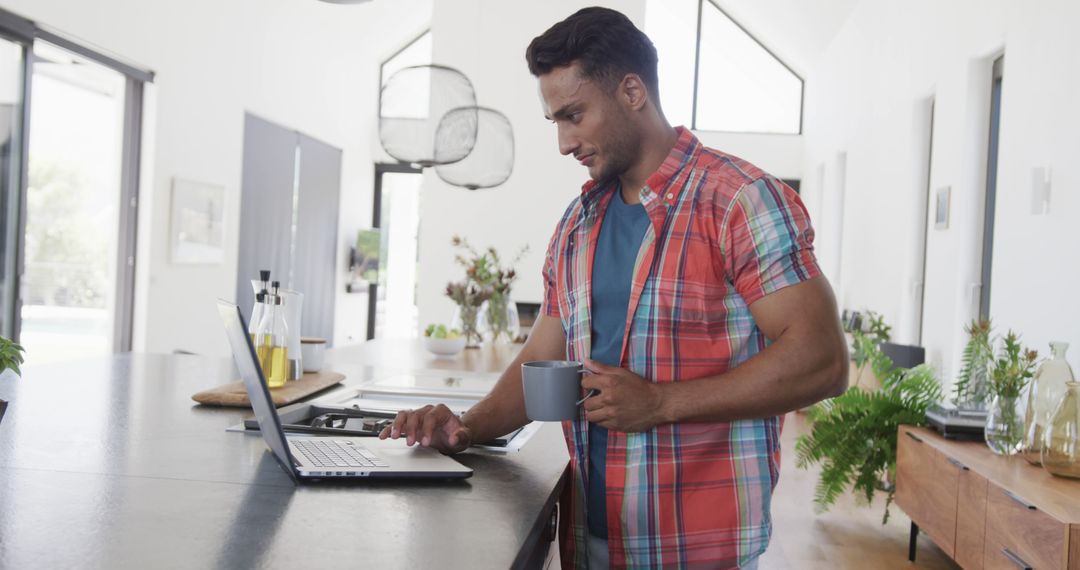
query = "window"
{"x": 715, "y": 76}
{"x": 70, "y": 120}
{"x": 416, "y": 52}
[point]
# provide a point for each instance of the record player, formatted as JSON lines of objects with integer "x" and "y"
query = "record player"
{"x": 955, "y": 423}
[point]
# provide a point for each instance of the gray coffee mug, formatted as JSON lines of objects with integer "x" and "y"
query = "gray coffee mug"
{"x": 552, "y": 389}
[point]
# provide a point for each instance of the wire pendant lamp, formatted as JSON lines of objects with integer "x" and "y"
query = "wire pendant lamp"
{"x": 491, "y": 160}
{"x": 412, "y": 106}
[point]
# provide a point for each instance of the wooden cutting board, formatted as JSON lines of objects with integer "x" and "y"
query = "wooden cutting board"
{"x": 235, "y": 395}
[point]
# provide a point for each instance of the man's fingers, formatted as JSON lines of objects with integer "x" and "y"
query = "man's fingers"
{"x": 427, "y": 429}
{"x": 399, "y": 422}
{"x": 598, "y": 416}
{"x": 596, "y": 382}
{"x": 593, "y": 403}
{"x": 456, "y": 437}
{"x": 598, "y": 367}
{"x": 413, "y": 424}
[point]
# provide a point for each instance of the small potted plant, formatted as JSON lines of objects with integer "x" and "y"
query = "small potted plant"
{"x": 1009, "y": 373}
{"x": 972, "y": 388}
{"x": 11, "y": 356}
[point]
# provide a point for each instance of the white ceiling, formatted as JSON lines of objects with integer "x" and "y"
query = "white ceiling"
{"x": 797, "y": 31}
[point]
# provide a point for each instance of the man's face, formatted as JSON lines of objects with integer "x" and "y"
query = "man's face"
{"x": 592, "y": 125}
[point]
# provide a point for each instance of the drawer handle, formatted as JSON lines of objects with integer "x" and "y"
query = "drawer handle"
{"x": 1026, "y": 504}
{"x": 913, "y": 436}
{"x": 958, "y": 464}
{"x": 1016, "y": 559}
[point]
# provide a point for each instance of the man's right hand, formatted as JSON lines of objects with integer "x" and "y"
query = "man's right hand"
{"x": 431, "y": 426}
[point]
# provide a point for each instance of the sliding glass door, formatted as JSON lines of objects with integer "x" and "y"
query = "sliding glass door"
{"x": 70, "y": 135}
{"x": 69, "y": 288}
{"x": 12, "y": 148}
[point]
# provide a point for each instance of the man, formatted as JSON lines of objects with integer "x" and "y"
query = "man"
{"x": 685, "y": 279}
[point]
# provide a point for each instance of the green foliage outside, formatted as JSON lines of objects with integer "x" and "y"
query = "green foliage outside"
{"x": 59, "y": 256}
{"x": 367, "y": 258}
{"x": 11, "y": 356}
{"x": 853, "y": 436}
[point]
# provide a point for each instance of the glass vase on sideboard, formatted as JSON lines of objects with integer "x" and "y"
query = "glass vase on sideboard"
{"x": 1047, "y": 390}
{"x": 1061, "y": 443}
{"x": 1004, "y": 431}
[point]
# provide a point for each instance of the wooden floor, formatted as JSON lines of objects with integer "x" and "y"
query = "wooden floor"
{"x": 847, "y": 536}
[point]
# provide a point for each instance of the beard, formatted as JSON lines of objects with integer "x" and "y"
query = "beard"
{"x": 622, "y": 147}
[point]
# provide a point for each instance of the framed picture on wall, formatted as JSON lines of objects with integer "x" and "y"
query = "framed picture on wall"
{"x": 196, "y": 230}
{"x": 941, "y": 208}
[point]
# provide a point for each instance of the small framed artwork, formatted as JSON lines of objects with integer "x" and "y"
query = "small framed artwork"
{"x": 197, "y": 231}
{"x": 941, "y": 208}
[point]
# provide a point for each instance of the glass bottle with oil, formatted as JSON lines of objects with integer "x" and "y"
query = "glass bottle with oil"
{"x": 272, "y": 348}
{"x": 261, "y": 287}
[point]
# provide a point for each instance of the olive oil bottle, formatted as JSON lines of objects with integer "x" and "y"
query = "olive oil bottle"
{"x": 271, "y": 347}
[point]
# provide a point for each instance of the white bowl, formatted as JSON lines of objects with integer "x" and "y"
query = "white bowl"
{"x": 444, "y": 346}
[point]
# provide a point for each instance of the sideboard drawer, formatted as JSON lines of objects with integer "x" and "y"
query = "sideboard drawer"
{"x": 926, "y": 488}
{"x": 1018, "y": 531}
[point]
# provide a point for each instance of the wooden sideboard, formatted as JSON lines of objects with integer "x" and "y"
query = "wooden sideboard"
{"x": 986, "y": 510}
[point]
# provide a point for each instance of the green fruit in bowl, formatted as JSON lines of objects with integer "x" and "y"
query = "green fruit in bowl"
{"x": 439, "y": 331}
{"x": 454, "y": 333}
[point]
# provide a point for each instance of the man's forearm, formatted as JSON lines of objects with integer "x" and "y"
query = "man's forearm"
{"x": 502, "y": 410}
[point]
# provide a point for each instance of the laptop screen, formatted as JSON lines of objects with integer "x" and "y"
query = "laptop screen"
{"x": 244, "y": 355}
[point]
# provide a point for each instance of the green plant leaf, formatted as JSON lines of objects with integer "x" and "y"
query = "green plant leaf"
{"x": 853, "y": 436}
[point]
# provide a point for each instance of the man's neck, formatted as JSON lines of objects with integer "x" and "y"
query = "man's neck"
{"x": 657, "y": 147}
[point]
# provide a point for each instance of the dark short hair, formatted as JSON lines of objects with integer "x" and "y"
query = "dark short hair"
{"x": 605, "y": 44}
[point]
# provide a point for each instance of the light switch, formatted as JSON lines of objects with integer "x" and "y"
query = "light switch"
{"x": 1040, "y": 190}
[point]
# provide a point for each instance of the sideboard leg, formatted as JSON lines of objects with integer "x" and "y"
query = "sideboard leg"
{"x": 912, "y": 541}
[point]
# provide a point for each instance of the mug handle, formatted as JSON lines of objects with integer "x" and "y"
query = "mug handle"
{"x": 591, "y": 393}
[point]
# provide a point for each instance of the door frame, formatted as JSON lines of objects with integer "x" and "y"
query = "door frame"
{"x": 376, "y": 219}
{"x": 26, "y": 32}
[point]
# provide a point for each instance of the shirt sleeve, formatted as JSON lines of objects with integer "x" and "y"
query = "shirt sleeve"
{"x": 767, "y": 240}
{"x": 550, "y": 306}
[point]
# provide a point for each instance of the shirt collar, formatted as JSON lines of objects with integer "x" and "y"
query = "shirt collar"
{"x": 686, "y": 148}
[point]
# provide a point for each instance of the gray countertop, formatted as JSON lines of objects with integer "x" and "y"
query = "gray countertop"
{"x": 108, "y": 463}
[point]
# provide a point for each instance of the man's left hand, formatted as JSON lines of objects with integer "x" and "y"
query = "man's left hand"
{"x": 626, "y": 402}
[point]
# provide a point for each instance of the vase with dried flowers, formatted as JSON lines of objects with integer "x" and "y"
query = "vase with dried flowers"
{"x": 1008, "y": 374}
{"x": 494, "y": 280}
{"x": 469, "y": 298}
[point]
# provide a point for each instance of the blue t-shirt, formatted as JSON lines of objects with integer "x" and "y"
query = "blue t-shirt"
{"x": 621, "y": 233}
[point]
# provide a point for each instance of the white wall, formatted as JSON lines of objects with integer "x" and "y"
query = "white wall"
{"x": 307, "y": 65}
{"x": 862, "y": 100}
{"x": 487, "y": 40}
{"x": 313, "y": 66}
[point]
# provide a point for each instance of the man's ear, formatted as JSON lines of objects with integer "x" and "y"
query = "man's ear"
{"x": 632, "y": 92}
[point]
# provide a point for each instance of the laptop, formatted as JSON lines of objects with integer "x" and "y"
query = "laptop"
{"x": 308, "y": 458}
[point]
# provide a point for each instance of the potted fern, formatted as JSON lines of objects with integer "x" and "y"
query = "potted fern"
{"x": 10, "y": 359}
{"x": 864, "y": 345}
{"x": 853, "y": 435}
{"x": 972, "y": 388}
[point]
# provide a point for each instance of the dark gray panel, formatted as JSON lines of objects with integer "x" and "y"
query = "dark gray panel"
{"x": 316, "y": 235}
{"x": 265, "y": 205}
{"x": 150, "y": 480}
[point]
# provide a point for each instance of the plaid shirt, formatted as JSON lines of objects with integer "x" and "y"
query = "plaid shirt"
{"x": 723, "y": 234}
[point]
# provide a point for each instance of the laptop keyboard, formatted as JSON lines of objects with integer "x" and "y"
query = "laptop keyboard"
{"x": 335, "y": 453}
